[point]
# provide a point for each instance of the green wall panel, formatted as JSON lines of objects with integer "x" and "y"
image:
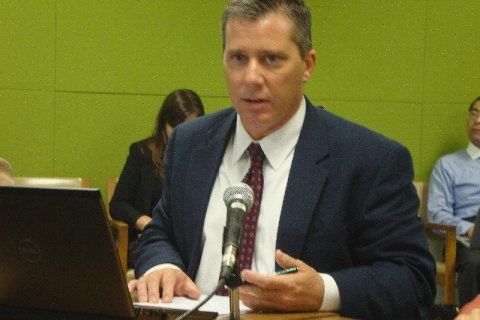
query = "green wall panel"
{"x": 94, "y": 131}
{"x": 213, "y": 104}
{"x": 27, "y": 131}
{"x": 384, "y": 64}
{"x": 368, "y": 50}
{"x": 397, "y": 121}
{"x": 139, "y": 46}
{"x": 452, "y": 51}
{"x": 444, "y": 131}
{"x": 27, "y": 49}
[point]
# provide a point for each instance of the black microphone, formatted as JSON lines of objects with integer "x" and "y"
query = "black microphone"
{"x": 239, "y": 199}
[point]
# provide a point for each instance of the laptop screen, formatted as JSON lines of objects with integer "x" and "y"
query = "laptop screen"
{"x": 57, "y": 253}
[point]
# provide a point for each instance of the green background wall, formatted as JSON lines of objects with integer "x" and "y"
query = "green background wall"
{"x": 81, "y": 80}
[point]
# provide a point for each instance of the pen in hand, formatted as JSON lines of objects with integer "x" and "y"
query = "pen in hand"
{"x": 287, "y": 271}
{"x": 280, "y": 272}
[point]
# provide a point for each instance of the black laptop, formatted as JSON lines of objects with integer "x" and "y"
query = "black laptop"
{"x": 58, "y": 258}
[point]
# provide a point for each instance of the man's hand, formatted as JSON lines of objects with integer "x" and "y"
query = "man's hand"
{"x": 471, "y": 310}
{"x": 473, "y": 315}
{"x": 142, "y": 222}
{"x": 470, "y": 232}
{"x": 168, "y": 282}
{"x": 300, "y": 291}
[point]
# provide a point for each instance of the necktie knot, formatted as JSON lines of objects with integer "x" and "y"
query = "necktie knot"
{"x": 256, "y": 154}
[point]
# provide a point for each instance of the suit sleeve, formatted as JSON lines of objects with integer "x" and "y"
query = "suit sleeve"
{"x": 157, "y": 242}
{"x": 393, "y": 277}
{"x": 123, "y": 200}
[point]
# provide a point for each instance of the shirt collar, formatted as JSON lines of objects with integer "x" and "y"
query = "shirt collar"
{"x": 277, "y": 145}
{"x": 473, "y": 151}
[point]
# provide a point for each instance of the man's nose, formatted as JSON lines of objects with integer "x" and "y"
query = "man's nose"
{"x": 253, "y": 73}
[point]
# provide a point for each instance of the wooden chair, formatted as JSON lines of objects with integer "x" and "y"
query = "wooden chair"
{"x": 120, "y": 227}
{"x": 437, "y": 235}
{"x": 6, "y": 173}
{"x": 52, "y": 182}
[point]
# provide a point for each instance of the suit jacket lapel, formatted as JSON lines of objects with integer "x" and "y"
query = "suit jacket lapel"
{"x": 204, "y": 163}
{"x": 305, "y": 183}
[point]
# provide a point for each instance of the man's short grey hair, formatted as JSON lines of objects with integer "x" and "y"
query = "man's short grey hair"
{"x": 296, "y": 10}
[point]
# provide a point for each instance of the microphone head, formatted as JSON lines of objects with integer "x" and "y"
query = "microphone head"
{"x": 240, "y": 192}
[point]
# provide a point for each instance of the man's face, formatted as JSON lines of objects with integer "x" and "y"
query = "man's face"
{"x": 473, "y": 124}
{"x": 265, "y": 72}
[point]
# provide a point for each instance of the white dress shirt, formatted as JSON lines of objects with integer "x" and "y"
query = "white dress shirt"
{"x": 279, "y": 148}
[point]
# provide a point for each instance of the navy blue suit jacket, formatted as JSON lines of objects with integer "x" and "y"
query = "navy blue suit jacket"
{"x": 349, "y": 210}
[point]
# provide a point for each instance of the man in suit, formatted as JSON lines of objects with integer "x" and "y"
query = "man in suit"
{"x": 337, "y": 200}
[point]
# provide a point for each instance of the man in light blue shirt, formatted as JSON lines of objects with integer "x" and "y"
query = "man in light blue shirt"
{"x": 454, "y": 199}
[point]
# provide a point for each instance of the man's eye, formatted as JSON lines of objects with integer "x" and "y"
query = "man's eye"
{"x": 271, "y": 58}
{"x": 238, "y": 58}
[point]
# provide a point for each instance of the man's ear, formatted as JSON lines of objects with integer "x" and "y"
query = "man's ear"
{"x": 310, "y": 58}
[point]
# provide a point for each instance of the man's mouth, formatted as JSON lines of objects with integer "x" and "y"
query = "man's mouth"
{"x": 255, "y": 100}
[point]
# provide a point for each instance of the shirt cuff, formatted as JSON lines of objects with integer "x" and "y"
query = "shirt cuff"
{"x": 161, "y": 266}
{"x": 463, "y": 227}
{"x": 331, "y": 296}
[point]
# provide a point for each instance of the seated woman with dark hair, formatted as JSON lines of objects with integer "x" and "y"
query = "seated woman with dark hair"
{"x": 139, "y": 187}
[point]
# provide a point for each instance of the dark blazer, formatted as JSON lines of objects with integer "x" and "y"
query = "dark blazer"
{"x": 138, "y": 189}
{"x": 349, "y": 210}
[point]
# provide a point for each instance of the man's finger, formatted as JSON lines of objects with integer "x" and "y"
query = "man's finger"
{"x": 153, "y": 287}
{"x": 168, "y": 286}
{"x": 270, "y": 282}
{"x": 190, "y": 290}
{"x": 132, "y": 285}
{"x": 285, "y": 261}
{"x": 142, "y": 290}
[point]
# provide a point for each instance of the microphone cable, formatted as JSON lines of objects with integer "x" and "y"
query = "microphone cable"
{"x": 220, "y": 284}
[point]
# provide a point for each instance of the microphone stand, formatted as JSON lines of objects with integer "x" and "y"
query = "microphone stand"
{"x": 234, "y": 304}
{"x": 233, "y": 282}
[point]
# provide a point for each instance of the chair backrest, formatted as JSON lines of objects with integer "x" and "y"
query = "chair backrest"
{"x": 111, "y": 185}
{"x": 5, "y": 167}
{"x": 422, "y": 192}
{"x": 6, "y": 173}
{"x": 119, "y": 229}
{"x": 52, "y": 182}
{"x": 442, "y": 242}
{"x": 435, "y": 238}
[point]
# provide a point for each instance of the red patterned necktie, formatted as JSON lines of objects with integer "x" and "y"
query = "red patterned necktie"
{"x": 254, "y": 178}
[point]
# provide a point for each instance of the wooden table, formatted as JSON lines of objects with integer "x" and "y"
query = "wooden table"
{"x": 172, "y": 315}
{"x": 292, "y": 316}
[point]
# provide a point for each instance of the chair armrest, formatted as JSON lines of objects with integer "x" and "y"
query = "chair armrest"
{"x": 450, "y": 233}
{"x": 120, "y": 232}
{"x": 442, "y": 227}
{"x": 448, "y": 278}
